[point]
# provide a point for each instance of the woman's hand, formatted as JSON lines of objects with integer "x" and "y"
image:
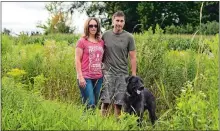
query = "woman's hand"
{"x": 82, "y": 82}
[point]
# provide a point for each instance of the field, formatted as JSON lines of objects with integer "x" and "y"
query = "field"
{"x": 39, "y": 89}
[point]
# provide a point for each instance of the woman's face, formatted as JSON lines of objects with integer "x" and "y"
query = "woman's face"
{"x": 93, "y": 27}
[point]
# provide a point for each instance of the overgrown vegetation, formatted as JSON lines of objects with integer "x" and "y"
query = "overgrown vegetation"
{"x": 39, "y": 89}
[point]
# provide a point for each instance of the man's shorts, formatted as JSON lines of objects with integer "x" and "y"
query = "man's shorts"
{"x": 114, "y": 87}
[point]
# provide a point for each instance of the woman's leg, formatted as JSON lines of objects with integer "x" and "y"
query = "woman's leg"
{"x": 82, "y": 91}
{"x": 97, "y": 88}
{"x": 87, "y": 94}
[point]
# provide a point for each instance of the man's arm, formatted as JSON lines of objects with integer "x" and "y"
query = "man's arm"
{"x": 132, "y": 55}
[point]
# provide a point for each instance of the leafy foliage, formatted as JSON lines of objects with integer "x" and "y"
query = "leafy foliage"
{"x": 58, "y": 21}
{"x": 150, "y": 13}
{"x": 208, "y": 28}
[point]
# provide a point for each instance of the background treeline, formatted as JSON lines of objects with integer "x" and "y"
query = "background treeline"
{"x": 141, "y": 15}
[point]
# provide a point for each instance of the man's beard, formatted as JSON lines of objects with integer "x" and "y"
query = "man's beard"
{"x": 118, "y": 28}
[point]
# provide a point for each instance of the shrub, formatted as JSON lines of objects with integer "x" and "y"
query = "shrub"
{"x": 209, "y": 28}
{"x": 179, "y": 67}
{"x": 150, "y": 50}
{"x": 7, "y": 44}
{"x": 193, "y": 111}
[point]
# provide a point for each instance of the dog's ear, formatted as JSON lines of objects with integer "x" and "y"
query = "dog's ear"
{"x": 128, "y": 78}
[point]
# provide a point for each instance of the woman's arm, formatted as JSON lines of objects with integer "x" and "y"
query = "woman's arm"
{"x": 78, "y": 62}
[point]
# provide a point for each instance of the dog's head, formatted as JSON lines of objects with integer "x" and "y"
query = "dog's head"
{"x": 134, "y": 85}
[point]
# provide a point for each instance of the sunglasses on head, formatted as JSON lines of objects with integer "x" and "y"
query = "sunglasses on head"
{"x": 91, "y": 26}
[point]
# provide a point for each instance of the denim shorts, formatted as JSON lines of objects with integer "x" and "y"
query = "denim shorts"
{"x": 114, "y": 88}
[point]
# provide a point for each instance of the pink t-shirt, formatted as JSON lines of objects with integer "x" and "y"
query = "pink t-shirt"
{"x": 91, "y": 58}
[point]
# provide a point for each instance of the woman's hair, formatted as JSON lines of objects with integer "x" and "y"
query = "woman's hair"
{"x": 86, "y": 28}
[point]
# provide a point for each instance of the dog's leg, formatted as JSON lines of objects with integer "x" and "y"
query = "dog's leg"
{"x": 140, "y": 113}
{"x": 152, "y": 110}
{"x": 140, "y": 119}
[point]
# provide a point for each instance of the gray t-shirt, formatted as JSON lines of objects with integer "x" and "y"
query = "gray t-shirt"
{"x": 116, "y": 49}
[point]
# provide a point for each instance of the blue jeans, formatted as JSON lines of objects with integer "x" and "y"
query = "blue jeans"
{"x": 90, "y": 94}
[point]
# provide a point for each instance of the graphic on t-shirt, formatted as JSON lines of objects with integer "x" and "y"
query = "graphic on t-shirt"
{"x": 95, "y": 59}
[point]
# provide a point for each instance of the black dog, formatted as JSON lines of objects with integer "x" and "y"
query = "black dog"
{"x": 137, "y": 99}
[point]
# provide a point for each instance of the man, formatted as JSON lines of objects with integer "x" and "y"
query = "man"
{"x": 118, "y": 45}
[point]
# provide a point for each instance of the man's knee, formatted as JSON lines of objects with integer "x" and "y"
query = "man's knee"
{"x": 105, "y": 105}
{"x": 117, "y": 107}
{"x": 104, "y": 109}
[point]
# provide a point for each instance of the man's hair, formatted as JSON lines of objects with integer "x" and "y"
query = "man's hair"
{"x": 118, "y": 14}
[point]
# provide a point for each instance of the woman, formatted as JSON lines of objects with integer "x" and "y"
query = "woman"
{"x": 88, "y": 60}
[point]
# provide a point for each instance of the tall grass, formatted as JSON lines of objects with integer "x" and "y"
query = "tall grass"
{"x": 46, "y": 96}
{"x": 22, "y": 110}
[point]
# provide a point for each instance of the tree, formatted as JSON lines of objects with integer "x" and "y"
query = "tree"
{"x": 168, "y": 13}
{"x": 178, "y": 13}
{"x": 6, "y": 31}
{"x": 58, "y": 21}
{"x": 33, "y": 33}
{"x": 211, "y": 12}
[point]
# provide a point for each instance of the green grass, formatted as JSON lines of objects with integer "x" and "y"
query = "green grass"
{"x": 39, "y": 89}
{"x": 23, "y": 110}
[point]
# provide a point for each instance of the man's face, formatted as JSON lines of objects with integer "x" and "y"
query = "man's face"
{"x": 118, "y": 23}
